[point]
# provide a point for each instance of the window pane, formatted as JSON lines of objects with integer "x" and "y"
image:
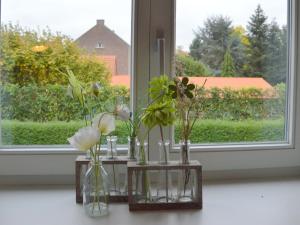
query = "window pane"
{"x": 40, "y": 42}
{"x": 238, "y": 50}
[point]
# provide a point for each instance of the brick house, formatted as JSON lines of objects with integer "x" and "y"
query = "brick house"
{"x": 108, "y": 46}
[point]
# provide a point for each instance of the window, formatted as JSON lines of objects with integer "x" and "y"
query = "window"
{"x": 150, "y": 18}
{"x": 239, "y": 51}
{"x": 99, "y": 45}
{"x": 36, "y": 48}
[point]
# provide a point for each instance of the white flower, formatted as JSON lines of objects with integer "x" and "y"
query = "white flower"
{"x": 105, "y": 123}
{"x": 122, "y": 112}
{"x": 85, "y": 138}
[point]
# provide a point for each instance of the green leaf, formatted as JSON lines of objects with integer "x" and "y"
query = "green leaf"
{"x": 172, "y": 87}
{"x": 191, "y": 87}
{"x": 189, "y": 94}
{"x": 185, "y": 81}
{"x": 174, "y": 95}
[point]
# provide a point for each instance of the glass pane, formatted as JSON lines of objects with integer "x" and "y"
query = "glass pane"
{"x": 237, "y": 50}
{"x": 40, "y": 42}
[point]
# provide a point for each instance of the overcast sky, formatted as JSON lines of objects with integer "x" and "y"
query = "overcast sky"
{"x": 74, "y": 17}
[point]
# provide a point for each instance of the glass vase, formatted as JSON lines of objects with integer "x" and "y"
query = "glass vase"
{"x": 131, "y": 148}
{"x": 142, "y": 153}
{"x": 164, "y": 149}
{"x": 186, "y": 189}
{"x": 164, "y": 186}
{"x": 185, "y": 151}
{"x": 96, "y": 191}
{"x": 111, "y": 147}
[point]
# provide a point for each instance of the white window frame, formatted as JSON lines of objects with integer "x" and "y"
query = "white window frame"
{"x": 150, "y": 16}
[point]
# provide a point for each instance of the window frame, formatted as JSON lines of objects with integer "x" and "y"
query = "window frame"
{"x": 290, "y": 125}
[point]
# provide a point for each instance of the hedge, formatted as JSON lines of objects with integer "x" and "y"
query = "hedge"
{"x": 206, "y": 131}
{"x": 50, "y": 103}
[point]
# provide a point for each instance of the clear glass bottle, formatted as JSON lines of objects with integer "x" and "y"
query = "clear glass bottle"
{"x": 164, "y": 149}
{"x": 164, "y": 187}
{"x": 142, "y": 153}
{"x": 185, "y": 151}
{"x": 96, "y": 191}
{"x": 186, "y": 189}
{"x": 131, "y": 148}
{"x": 111, "y": 147}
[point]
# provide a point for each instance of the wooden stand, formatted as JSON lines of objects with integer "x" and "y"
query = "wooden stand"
{"x": 142, "y": 179}
{"x": 114, "y": 167}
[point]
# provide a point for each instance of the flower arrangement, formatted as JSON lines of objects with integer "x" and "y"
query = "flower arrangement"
{"x": 160, "y": 112}
{"x": 187, "y": 98}
{"x": 89, "y": 139}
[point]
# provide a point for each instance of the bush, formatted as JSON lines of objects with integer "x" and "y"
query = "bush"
{"x": 206, "y": 131}
{"x": 48, "y": 103}
{"x": 187, "y": 66}
{"x": 243, "y": 104}
{"x": 29, "y": 57}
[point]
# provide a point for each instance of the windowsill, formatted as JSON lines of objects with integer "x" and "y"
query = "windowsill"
{"x": 44, "y": 150}
{"x": 122, "y": 149}
{"x": 223, "y": 201}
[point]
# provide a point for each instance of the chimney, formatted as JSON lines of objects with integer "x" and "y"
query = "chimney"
{"x": 100, "y": 22}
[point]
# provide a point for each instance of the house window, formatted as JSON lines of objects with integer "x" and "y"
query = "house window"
{"x": 36, "y": 48}
{"x": 99, "y": 45}
{"x": 240, "y": 55}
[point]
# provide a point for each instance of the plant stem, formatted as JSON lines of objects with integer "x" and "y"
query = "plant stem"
{"x": 166, "y": 161}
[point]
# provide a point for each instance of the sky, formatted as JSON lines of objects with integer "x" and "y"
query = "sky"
{"x": 74, "y": 17}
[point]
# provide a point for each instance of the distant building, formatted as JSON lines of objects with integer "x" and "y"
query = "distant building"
{"x": 233, "y": 83}
{"x": 110, "y": 48}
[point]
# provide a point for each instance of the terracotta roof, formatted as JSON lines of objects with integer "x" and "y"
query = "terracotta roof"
{"x": 110, "y": 62}
{"x": 121, "y": 80}
{"x": 235, "y": 83}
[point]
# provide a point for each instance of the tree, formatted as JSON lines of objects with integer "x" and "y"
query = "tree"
{"x": 29, "y": 57}
{"x": 211, "y": 41}
{"x": 239, "y": 43}
{"x": 187, "y": 66}
{"x": 228, "y": 69}
{"x": 276, "y": 54}
{"x": 257, "y": 34}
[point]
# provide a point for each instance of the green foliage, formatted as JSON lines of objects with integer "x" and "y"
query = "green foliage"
{"x": 276, "y": 54}
{"x": 212, "y": 41}
{"x": 243, "y": 104}
{"x": 222, "y": 131}
{"x": 187, "y": 66}
{"x": 159, "y": 114}
{"x": 161, "y": 111}
{"x": 159, "y": 88}
{"x": 228, "y": 68}
{"x": 261, "y": 51}
{"x": 257, "y": 34}
{"x": 30, "y": 57}
{"x": 205, "y": 131}
{"x": 49, "y": 102}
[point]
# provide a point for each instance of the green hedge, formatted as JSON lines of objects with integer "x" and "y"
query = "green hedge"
{"x": 48, "y": 103}
{"x": 206, "y": 131}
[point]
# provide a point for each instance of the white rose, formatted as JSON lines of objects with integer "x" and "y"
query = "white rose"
{"x": 105, "y": 123}
{"x": 85, "y": 138}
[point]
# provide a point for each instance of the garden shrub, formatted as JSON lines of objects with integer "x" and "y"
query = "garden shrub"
{"x": 205, "y": 131}
{"x": 49, "y": 102}
{"x": 31, "y": 57}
